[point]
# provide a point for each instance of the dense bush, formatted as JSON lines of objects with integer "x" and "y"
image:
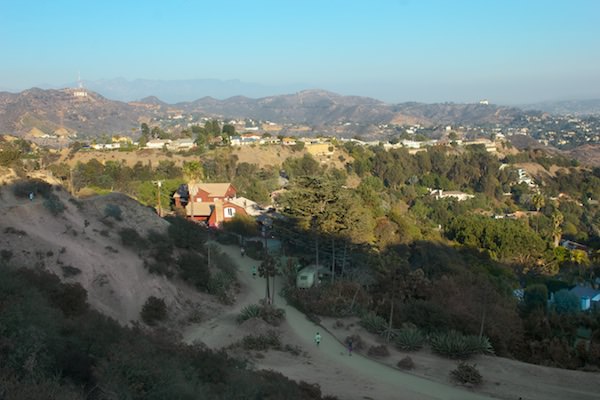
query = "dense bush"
{"x": 333, "y": 300}
{"x": 194, "y": 270}
{"x": 47, "y": 354}
{"x": 454, "y": 344}
{"x": 409, "y": 339}
{"x": 22, "y": 189}
{"x": 266, "y": 312}
{"x": 70, "y": 271}
{"x": 466, "y": 374}
{"x": 53, "y": 204}
{"x": 153, "y": 311}
{"x": 186, "y": 234}
{"x": 249, "y": 312}
{"x": 378, "y": 351}
{"x": 406, "y": 363}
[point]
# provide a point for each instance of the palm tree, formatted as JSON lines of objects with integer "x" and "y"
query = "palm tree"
{"x": 557, "y": 220}
{"x": 538, "y": 202}
{"x": 267, "y": 269}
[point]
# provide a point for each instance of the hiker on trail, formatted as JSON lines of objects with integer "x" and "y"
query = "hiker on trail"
{"x": 318, "y": 339}
{"x": 350, "y": 347}
{"x": 31, "y": 196}
{"x": 254, "y": 271}
{"x": 242, "y": 251}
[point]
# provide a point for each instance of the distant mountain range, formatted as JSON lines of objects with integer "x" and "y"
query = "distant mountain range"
{"x": 93, "y": 115}
{"x": 571, "y": 107}
{"x": 176, "y": 91}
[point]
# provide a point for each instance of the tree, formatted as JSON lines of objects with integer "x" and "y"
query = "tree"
{"x": 538, "y": 202}
{"x": 154, "y": 310}
{"x": 557, "y": 220}
{"x": 242, "y": 225}
{"x": 268, "y": 269}
{"x": 535, "y": 298}
{"x": 565, "y": 302}
{"x": 193, "y": 171}
{"x": 323, "y": 207}
{"x": 229, "y": 130}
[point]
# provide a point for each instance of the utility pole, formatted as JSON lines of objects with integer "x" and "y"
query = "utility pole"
{"x": 159, "y": 208}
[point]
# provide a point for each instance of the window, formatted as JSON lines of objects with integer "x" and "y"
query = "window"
{"x": 229, "y": 212}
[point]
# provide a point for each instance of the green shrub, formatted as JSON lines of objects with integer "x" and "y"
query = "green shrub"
{"x": 373, "y": 323}
{"x": 466, "y": 373}
{"x": 22, "y": 189}
{"x": 153, "y": 311}
{"x": 262, "y": 342}
{"x": 193, "y": 269}
{"x": 54, "y": 205}
{"x": 186, "y": 234}
{"x": 266, "y": 312}
{"x": 160, "y": 268}
{"x": 114, "y": 211}
{"x": 272, "y": 315}
{"x": 409, "y": 339}
{"x": 69, "y": 271}
{"x": 406, "y": 363}
{"x": 378, "y": 351}
{"x": 131, "y": 238}
{"x": 454, "y": 344}
{"x": 249, "y": 312}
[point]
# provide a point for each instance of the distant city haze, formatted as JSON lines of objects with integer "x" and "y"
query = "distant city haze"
{"x": 510, "y": 52}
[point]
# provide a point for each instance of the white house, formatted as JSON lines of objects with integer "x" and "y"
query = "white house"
{"x": 460, "y": 196}
{"x": 181, "y": 144}
{"x": 157, "y": 143}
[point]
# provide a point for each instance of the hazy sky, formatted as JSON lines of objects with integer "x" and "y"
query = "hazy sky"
{"x": 448, "y": 50}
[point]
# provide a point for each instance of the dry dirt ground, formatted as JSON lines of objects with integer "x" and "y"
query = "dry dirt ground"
{"x": 260, "y": 155}
{"x": 360, "y": 377}
{"x": 83, "y": 237}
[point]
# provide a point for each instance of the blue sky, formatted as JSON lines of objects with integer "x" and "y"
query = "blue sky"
{"x": 424, "y": 50}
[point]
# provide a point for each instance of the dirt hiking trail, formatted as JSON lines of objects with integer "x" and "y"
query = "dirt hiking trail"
{"x": 355, "y": 377}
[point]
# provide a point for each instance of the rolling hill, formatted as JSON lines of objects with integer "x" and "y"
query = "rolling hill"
{"x": 94, "y": 115}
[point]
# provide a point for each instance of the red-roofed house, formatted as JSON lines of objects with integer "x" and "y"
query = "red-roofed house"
{"x": 212, "y": 203}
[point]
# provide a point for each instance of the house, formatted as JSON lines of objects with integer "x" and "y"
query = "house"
{"x": 460, "y": 196}
{"x": 570, "y": 245}
{"x": 588, "y": 297}
{"x": 181, "y": 144}
{"x": 211, "y": 203}
{"x": 106, "y": 146}
{"x": 251, "y": 207}
{"x": 157, "y": 143}
{"x": 312, "y": 275}
{"x": 288, "y": 141}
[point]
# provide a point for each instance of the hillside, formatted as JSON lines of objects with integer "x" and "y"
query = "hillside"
{"x": 61, "y": 113}
{"x": 82, "y": 245}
